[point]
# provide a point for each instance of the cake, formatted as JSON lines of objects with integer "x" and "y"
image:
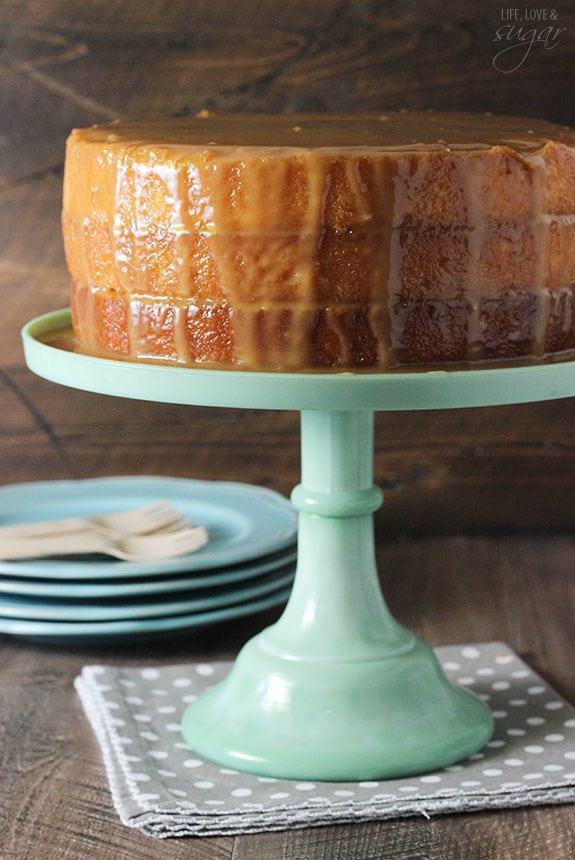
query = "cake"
{"x": 302, "y": 242}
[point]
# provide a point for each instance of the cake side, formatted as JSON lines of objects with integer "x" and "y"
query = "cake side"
{"x": 293, "y": 257}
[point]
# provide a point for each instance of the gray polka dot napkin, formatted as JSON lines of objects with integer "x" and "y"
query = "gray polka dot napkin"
{"x": 161, "y": 787}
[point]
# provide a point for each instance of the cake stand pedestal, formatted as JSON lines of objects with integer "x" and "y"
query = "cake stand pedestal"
{"x": 336, "y": 689}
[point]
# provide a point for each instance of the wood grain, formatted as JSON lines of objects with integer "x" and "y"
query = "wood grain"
{"x": 475, "y": 539}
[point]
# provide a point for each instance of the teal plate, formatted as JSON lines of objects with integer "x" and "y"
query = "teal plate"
{"x": 94, "y": 632}
{"x": 114, "y": 588}
{"x": 244, "y": 522}
{"x": 11, "y": 607}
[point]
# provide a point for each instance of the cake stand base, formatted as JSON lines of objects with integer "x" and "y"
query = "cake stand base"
{"x": 336, "y": 720}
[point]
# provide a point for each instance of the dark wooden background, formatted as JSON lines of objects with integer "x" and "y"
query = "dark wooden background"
{"x": 475, "y": 539}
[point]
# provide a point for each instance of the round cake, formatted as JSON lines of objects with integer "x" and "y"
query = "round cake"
{"x": 302, "y": 242}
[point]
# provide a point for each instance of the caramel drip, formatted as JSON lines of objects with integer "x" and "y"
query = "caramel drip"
{"x": 540, "y": 229}
{"x": 468, "y": 180}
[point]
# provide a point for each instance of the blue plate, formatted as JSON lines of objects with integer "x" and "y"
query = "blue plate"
{"x": 12, "y": 607}
{"x": 94, "y": 632}
{"x": 244, "y": 522}
{"x": 105, "y": 589}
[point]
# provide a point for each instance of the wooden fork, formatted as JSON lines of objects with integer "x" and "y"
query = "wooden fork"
{"x": 165, "y": 544}
{"x": 151, "y": 518}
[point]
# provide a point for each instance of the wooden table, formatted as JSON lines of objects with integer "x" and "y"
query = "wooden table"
{"x": 478, "y": 523}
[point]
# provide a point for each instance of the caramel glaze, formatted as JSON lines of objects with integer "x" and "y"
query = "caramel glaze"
{"x": 303, "y": 241}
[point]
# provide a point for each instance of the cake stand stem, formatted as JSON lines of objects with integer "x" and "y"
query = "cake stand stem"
{"x": 336, "y": 609}
{"x": 336, "y": 689}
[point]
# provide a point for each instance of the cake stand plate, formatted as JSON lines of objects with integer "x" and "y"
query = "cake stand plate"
{"x": 336, "y": 689}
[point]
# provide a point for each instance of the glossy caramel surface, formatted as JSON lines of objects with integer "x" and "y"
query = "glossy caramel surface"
{"x": 402, "y": 131}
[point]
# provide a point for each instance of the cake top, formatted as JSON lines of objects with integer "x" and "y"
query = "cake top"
{"x": 400, "y": 131}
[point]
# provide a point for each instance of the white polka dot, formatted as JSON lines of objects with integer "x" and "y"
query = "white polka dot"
{"x": 158, "y": 754}
{"x": 502, "y": 659}
{"x": 486, "y": 670}
{"x": 159, "y": 692}
{"x": 466, "y": 681}
{"x": 173, "y": 727}
{"x": 535, "y": 721}
{"x": 431, "y": 778}
{"x": 485, "y": 697}
{"x": 193, "y": 762}
{"x": 532, "y": 776}
{"x": 517, "y": 703}
{"x": 142, "y": 718}
{"x": 500, "y": 685}
{"x": 554, "y": 738}
{"x": 149, "y": 736}
{"x": 189, "y": 697}
{"x": 496, "y": 744}
{"x": 150, "y": 674}
{"x": 534, "y": 749}
{"x": 305, "y": 786}
{"x": 569, "y": 755}
{"x": 241, "y": 792}
{"x": 535, "y": 690}
{"x": 178, "y": 792}
{"x": 492, "y": 771}
{"x": 477, "y": 756}
{"x": 498, "y": 715}
{"x": 343, "y": 792}
{"x": 147, "y": 797}
{"x": 452, "y": 666}
{"x": 279, "y": 795}
{"x": 228, "y": 770}
{"x": 554, "y": 706}
{"x": 133, "y": 758}
{"x": 454, "y": 768}
{"x": 267, "y": 779}
{"x": 169, "y": 774}
{"x": 408, "y": 788}
{"x": 569, "y": 724}
{"x": 470, "y": 652}
{"x": 116, "y": 721}
{"x": 181, "y": 682}
{"x": 569, "y": 776}
{"x": 470, "y": 783}
{"x": 141, "y": 777}
{"x": 552, "y": 768}
{"x": 214, "y": 802}
{"x": 368, "y": 784}
{"x": 513, "y": 762}
{"x": 205, "y": 669}
{"x": 516, "y": 733}
{"x": 204, "y": 784}
{"x": 167, "y": 709}
{"x": 134, "y": 700}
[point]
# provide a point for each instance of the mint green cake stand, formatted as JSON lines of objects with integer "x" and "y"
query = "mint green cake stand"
{"x": 336, "y": 689}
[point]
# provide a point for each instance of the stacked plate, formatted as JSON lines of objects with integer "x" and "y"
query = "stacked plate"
{"x": 247, "y": 565}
